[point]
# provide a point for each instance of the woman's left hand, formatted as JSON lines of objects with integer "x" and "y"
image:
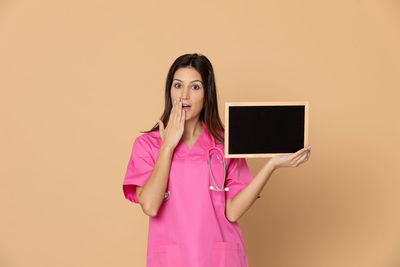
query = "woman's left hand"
{"x": 292, "y": 160}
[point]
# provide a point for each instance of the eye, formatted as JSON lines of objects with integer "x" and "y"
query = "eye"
{"x": 177, "y": 85}
{"x": 196, "y": 87}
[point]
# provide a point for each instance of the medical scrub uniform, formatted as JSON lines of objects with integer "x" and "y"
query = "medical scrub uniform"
{"x": 190, "y": 228}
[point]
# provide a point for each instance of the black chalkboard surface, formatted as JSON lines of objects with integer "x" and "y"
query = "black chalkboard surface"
{"x": 265, "y": 129}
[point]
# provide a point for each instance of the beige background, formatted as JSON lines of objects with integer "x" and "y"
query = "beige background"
{"x": 80, "y": 79}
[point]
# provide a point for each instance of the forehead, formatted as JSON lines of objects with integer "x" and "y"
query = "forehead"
{"x": 187, "y": 74}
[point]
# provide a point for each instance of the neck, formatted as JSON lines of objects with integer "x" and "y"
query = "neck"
{"x": 192, "y": 129}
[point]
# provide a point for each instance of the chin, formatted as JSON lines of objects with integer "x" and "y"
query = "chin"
{"x": 190, "y": 117}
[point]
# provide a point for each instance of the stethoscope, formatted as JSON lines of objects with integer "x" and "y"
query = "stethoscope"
{"x": 220, "y": 156}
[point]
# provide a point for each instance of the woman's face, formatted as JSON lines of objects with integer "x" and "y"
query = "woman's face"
{"x": 188, "y": 86}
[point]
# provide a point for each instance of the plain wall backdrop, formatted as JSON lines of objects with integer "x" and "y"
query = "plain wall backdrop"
{"x": 80, "y": 79}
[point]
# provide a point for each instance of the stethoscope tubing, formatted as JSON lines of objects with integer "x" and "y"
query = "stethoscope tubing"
{"x": 214, "y": 147}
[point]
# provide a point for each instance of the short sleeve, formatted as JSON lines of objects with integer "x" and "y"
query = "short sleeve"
{"x": 139, "y": 168}
{"x": 238, "y": 176}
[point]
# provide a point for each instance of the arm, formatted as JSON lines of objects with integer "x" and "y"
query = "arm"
{"x": 151, "y": 195}
{"x": 238, "y": 205}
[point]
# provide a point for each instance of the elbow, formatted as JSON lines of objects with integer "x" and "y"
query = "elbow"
{"x": 230, "y": 213}
{"x": 231, "y": 221}
{"x": 231, "y": 218}
{"x": 149, "y": 211}
{"x": 146, "y": 208}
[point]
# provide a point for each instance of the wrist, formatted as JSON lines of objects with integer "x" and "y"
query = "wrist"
{"x": 167, "y": 148}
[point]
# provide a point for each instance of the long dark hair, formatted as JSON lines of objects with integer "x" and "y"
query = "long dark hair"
{"x": 209, "y": 114}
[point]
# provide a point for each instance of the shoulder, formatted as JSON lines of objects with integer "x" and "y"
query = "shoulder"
{"x": 152, "y": 137}
{"x": 147, "y": 144}
{"x": 222, "y": 135}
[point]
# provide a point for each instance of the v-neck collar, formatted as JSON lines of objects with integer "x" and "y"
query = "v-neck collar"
{"x": 197, "y": 141}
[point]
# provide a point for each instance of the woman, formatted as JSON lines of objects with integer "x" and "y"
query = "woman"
{"x": 191, "y": 224}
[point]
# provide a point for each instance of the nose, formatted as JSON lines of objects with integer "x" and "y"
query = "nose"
{"x": 185, "y": 93}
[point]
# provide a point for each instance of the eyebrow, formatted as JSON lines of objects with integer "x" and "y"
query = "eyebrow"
{"x": 190, "y": 82}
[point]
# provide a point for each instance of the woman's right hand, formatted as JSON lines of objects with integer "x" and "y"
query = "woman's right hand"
{"x": 171, "y": 135}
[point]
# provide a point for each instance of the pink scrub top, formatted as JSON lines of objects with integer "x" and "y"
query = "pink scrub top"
{"x": 190, "y": 228}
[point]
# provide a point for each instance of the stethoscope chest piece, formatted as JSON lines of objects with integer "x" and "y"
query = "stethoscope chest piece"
{"x": 225, "y": 189}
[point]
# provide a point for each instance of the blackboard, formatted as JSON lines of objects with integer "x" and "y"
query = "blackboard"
{"x": 265, "y": 129}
